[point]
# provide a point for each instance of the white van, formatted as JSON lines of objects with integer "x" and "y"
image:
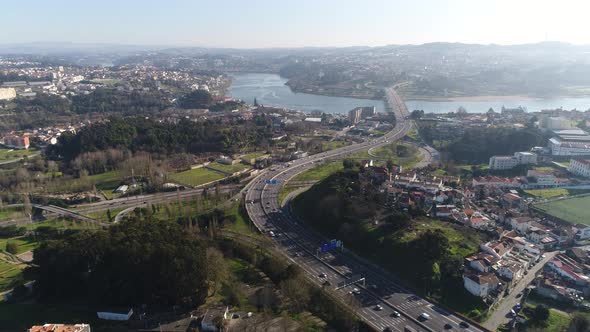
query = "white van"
{"x": 425, "y": 316}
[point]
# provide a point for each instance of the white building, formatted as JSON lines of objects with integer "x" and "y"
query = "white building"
{"x": 561, "y": 147}
{"x": 480, "y": 284}
{"x": 511, "y": 270}
{"x": 508, "y": 162}
{"x": 580, "y": 167}
{"x": 7, "y": 93}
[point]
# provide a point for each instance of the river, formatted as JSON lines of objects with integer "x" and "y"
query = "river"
{"x": 270, "y": 90}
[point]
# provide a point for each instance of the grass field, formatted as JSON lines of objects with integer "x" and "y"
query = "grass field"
{"x": 320, "y": 172}
{"x": 573, "y": 210}
{"x": 106, "y": 182}
{"x": 24, "y": 243}
{"x": 228, "y": 168}
{"x": 554, "y": 192}
{"x": 332, "y": 145}
{"x": 10, "y": 275}
{"x": 10, "y": 213}
{"x": 61, "y": 223}
{"x": 389, "y": 152}
{"x": 197, "y": 176}
{"x": 10, "y": 154}
{"x": 253, "y": 155}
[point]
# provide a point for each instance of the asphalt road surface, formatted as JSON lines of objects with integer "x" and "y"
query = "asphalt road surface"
{"x": 376, "y": 300}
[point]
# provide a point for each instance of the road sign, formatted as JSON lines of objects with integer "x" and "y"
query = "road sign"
{"x": 333, "y": 244}
{"x": 350, "y": 281}
{"x": 272, "y": 181}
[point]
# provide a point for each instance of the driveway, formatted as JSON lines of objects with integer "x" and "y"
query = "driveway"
{"x": 498, "y": 316}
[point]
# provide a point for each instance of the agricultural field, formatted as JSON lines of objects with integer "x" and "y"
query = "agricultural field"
{"x": 573, "y": 210}
{"x": 553, "y": 192}
{"x": 10, "y": 154}
{"x": 196, "y": 177}
{"x": 228, "y": 168}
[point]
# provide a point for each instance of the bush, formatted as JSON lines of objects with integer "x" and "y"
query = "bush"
{"x": 12, "y": 247}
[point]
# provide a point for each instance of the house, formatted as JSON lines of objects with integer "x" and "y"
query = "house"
{"x": 60, "y": 328}
{"x": 521, "y": 224}
{"x": 568, "y": 269}
{"x": 122, "y": 189}
{"x": 511, "y": 270}
{"x": 479, "y": 221}
{"x": 583, "y": 232}
{"x": 480, "y": 284}
{"x": 299, "y": 155}
{"x": 17, "y": 142}
{"x": 508, "y": 162}
{"x": 542, "y": 179}
{"x": 444, "y": 211}
{"x": 512, "y": 201}
{"x": 579, "y": 255}
{"x": 481, "y": 262}
{"x": 497, "y": 249}
{"x": 115, "y": 314}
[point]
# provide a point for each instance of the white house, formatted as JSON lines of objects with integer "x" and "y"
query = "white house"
{"x": 480, "y": 284}
{"x": 511, "y": 270}
{"x": 521, "y": 224}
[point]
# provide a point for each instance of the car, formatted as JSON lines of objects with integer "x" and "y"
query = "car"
{"x": 387, "y": 329}
{"x": 424, "y": 316}
{"x": 378, "y": 307}
{"x": 395, "y": 313}
{"x": 448, "y": 326}
{"x": 356, "y": 291}
{"x": 387, "y": 297}
{"x": 272, "y": 234}
{"x": 323, "y": 275}
{"x": 464, "y": 325}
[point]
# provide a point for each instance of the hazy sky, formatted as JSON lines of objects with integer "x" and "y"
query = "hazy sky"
{"x": 287, "y": 23}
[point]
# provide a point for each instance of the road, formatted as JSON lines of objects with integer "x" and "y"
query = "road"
{"x": 498, "y": 316}
{"x": 300, "y": 243}
{"x": 80, "y": 211}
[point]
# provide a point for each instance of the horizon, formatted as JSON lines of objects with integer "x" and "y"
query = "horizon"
{"x": 264, "y": 24}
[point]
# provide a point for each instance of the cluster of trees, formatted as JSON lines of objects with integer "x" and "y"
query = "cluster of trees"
{"x": 137, "y": 262}
{"x": 340, "y": 207}
{"x": 141, "y": 134}
{"x": 104, "y": 100}
{"x": 195, "y": 99}
{"x": 476, "y": 145}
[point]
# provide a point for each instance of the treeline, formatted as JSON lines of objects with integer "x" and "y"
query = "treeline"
{"x": 108, "y": 100}
{"x": 141, "y": 134}
{"x": 136, "y": 262}
{"x": 477, "y": 145}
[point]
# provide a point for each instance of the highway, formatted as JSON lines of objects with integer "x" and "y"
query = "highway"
{"x": 381, "y": 296}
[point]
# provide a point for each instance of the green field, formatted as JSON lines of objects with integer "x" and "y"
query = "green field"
{"x": 197, "y": 176}
{"x": 9, "y": 154}
{"x": 253, "y": 155}
{"x": 553, "y": 192}
{"x": 11, "y": 213}
{"x": 320, "y": 172}
{"x": 228, "y": 168}
{"x": 10, "y": 275}
{"x": 332, "y": 145}
{"x": 106, "y": 182}
{"x": 573, "y": 210}
{"x": 24, "y": 243}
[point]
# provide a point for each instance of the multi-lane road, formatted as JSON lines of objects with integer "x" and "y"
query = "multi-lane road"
{"x": 382, "y": 302}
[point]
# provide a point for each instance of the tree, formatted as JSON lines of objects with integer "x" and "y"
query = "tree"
{"x": 461, "y": 111}
{"x": 12, "y": 247}
{"x": 541, "y": 313}
{"x": 196, "y": 99}
{"x": 109, "y": 216}
{"x": 217, "y": 270}
{"x": 255, "y": 102}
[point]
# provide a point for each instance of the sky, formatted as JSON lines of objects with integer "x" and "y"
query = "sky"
{"x": 287, "y": 23}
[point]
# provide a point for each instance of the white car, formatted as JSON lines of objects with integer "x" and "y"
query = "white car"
{"x": 378, "y": 307}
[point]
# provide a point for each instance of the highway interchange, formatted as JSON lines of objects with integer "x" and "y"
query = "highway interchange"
{"x": 381, "y": 299}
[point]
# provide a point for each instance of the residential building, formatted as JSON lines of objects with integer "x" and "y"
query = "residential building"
{"x": 497, "y": 249}
{"x": 481, "y": 262}
{"x": 568, "y": 269}
{"x": 542, "y": 179}
{"x": 7, "y": 93}
{"x": 580, "y": 167}
{"x": 60, "y": 328}
{"x": 575, "y": 146}
{"x": 521, "y": 224}
{"x": 509, "y": 162}
{"x": 511, "y": 270}
{"x": 480, "y": 284}
{"x": 496, "y": 181}
{"x": 360, "y": 113}
{"x": 17, "y": 142}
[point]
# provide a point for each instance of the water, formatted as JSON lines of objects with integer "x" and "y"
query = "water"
{"x": 532, "y": 105}
{"x": 270, "y": 90}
